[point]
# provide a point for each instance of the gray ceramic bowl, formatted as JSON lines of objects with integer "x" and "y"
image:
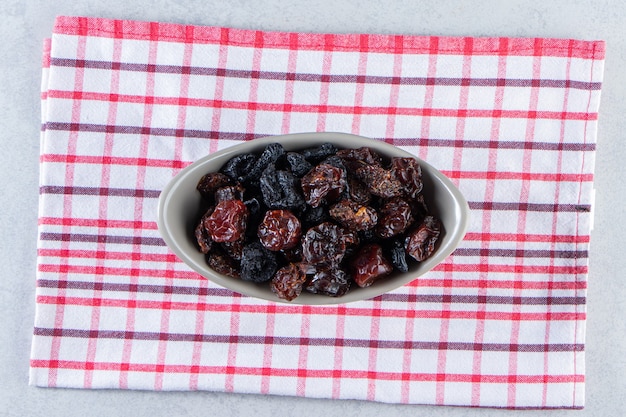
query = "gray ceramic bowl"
{"x": 179, "y": 205}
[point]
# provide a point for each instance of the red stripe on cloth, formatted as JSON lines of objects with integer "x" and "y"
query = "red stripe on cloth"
{"x": 169, "y": 305}
{"x": 312, "y": 373}
{"x": 137, "y": 30}
{"x": 312, "y": 108}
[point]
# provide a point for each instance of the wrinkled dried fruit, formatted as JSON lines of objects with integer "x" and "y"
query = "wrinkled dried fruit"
{"x": 280, "y": 229}
{"x": 354, "y": 216}
{"x": 355, "y": 158}
{"x": 395, "y": 218}
{"x": 223, "y": 264}
{"x": 369, "y": 264}
{"x": 318, "y": 153}
{"x": 203, "y": 237}
{"x": 409, "y": 173}
{"x": 333, "y": 282}
{"x": 298, "y": 164}
{"x": 324, "y": 183}
{"x": 324, "y": 244}
{"x": 268, "y": 157}
{"x": 288, "y": 281}
{"x": 239, "y": 166}
{"x": 211, "y": 182}
{"x": 228, "y": 221}
{"x": 379, "y": 181}
{"x": 281, "y": 189}
{"x": 397, "y": 255}
{"x": 420, "y": 243}
{"x": 257, "y": 263}
{"x": 229, "y": 192}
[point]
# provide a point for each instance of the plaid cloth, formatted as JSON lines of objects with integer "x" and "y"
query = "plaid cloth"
{"x": 501, "y": 323}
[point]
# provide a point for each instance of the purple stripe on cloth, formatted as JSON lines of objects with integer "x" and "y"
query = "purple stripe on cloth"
{"x": 220, "y": 292}
{"x": 296, "y": 341}
{"x": 89, "y": 238}
{"x": 284, "y": 76}
{"x": 202, "y": 134}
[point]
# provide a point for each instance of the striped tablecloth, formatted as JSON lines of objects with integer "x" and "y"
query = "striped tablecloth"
{"x": 501, "y": 323}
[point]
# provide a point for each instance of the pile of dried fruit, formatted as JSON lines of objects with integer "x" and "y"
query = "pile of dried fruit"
{"x": 315, "y": 220}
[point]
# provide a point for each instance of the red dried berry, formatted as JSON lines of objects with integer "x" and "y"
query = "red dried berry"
{"x": 288, "y": 281}
{"x": 210, "y": 182}
{"x": 369, "y": 264}
{"x": 420, "y": 243}
{"x": 228, "y": 221}
{"x": 325, "y": 244}
{"x": 280, "y": 229}
{"x": 324, "y": 183}
{"x": 395, "y": 218}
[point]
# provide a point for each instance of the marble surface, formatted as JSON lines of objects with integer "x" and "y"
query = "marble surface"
{"x": 26, "y": 23}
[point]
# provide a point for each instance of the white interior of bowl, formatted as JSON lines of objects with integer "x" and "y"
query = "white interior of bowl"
{"x": 179, "y": 210}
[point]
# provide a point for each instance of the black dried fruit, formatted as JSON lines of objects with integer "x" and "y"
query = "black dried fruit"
{"x": 317, "y": 153}
{"x": 298, "y": 164}
{"x": 257, "y": 263}
{"x": 397, "y": 255}
{"x": 268, "y": 157}
{"x": 281, "y": 189}
{"x": 239, "y": 166}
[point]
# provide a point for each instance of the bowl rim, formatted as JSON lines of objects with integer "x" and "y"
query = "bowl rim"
{"x": 299, "y": 141}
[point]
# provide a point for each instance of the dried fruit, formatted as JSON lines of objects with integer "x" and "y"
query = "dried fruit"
{"x": 228, "y": 221}
{"x": 420, "y": 243}
{"x": 203, "y": 237}
{"x": 280, "y": 229}
{"x": 257, "y": 263}
{"x": 323, "y": 184}
{"x": 379, "y": 181}
{"x": 223, "y": 264}
{"x": 209, "y": 183}
{"x": 318, "y": 219}
{"x": 409, "y": 173}
{"x": 369, "y": 264}
{"x": 281, "y": 189}
{"x": 354, "y": 216}
{"x": 325, "y": 244}
{"x": 239, "y": 166}
{"x": 288, "y": 281}
{"x": 298, "y": 164}
{"x": 333, "y": 282}
{"x": 395, "y": 218}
